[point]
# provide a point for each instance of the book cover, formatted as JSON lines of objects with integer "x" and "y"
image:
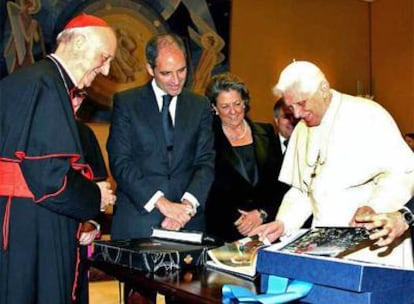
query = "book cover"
{"x": 329, "y": 241}
{"x": 238, "y": 257}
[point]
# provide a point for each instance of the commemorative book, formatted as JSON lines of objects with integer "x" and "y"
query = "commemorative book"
{"x": 329, "y": 241}
{"x": 149, "y": 254}
{"x": 238, "y": 257}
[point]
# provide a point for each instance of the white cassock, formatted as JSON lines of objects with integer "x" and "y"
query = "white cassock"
{"x": 355, "y": 157}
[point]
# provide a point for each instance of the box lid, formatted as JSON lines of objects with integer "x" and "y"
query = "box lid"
{"x": 332, "y": 272}
{"x": 150, "y": 254}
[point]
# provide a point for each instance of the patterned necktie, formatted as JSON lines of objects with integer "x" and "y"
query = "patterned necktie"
{"x": 167, "y": 125}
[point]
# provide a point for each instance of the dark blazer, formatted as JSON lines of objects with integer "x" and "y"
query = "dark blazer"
{"x": 410, "y": 204}
{"x": 283, "y": 188}
{"x": 232, "y": 189}
{"x": 139, "y": 161}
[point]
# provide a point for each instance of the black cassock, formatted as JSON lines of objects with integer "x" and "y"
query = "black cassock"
{"x": 93, "y": 157}
{"x": 38, "y": 132}
{"x": 92, "y": 152}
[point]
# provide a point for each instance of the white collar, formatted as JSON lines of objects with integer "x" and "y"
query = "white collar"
{"x": 65, "y": 67}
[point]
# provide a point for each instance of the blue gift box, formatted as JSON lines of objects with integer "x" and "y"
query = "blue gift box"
{"x": 339, "y": 281}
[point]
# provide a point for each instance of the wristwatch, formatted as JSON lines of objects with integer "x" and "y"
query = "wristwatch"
{"x": 263, "y": 215}
{"x": 96, "y": 224}
{"x": 407, "y": 216}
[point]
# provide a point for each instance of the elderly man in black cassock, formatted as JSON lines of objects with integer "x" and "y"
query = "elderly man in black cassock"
{"x": 46, "y": 189}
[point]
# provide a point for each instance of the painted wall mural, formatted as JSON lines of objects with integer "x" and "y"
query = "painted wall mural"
{"x": 28, "y": 29}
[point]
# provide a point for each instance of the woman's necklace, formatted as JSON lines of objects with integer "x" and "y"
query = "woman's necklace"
{"x": 236, "y": 137}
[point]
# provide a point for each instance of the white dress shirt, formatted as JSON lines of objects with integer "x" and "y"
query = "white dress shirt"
{"x": 282, "y": 140}
{"x": 150, "y": 205}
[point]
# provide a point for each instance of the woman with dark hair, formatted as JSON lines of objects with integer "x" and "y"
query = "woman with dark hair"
{"x": 245, "y": 191}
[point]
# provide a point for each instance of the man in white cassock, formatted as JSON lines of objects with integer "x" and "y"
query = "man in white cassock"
{"x": 346, "y": 156}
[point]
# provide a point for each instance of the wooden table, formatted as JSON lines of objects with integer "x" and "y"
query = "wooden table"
{"x": 188, "y": 286}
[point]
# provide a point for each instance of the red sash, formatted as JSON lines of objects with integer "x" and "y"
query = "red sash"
{"x": 12, "y": 184}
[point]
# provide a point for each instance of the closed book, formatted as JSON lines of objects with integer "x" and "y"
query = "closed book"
{"x": 186, "y": 236}
{"x": 181, "y": 235}
{"x": 150, "y": 254}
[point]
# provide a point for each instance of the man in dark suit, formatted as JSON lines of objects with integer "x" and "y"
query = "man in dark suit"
{"x": 285, "y": 122}
{"x": 163, "y": 172}
{"x": 391, "y": 225}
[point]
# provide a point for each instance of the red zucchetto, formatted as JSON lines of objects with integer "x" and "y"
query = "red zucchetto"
{"x": 85, "y": 20}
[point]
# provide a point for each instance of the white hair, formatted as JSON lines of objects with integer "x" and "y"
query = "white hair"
{"x": 299, "y": 77}
{"x": 67, "y": 35}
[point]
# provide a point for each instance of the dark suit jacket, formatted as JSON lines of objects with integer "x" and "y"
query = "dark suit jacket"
{"x": 410, "y": 204}
{"x": 283, "y": 188}
{"x": 139, "y": 161}
{"x": 232, "y": 189}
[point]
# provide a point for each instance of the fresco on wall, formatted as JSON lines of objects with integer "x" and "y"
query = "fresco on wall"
{"x": 28, "y": 29}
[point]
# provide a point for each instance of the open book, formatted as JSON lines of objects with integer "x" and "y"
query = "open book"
{"x": 350, "y": 244}
{"x": 238, "y": 257}
{"x": 329, "y": 241}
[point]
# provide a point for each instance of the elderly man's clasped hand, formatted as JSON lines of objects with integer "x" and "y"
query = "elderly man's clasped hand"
{"x": 108, "y": 197}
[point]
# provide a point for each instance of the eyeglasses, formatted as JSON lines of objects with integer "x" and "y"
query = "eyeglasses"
{"x": 105, "y": 58}
{"x": 302, "y": 102}
{"x": 299, "y": 104}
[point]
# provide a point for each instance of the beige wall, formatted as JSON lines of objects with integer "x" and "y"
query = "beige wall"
{"x": 336, "y": 35}
{"x": 393, "y": 59}
{"x": 266, "y": 37}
